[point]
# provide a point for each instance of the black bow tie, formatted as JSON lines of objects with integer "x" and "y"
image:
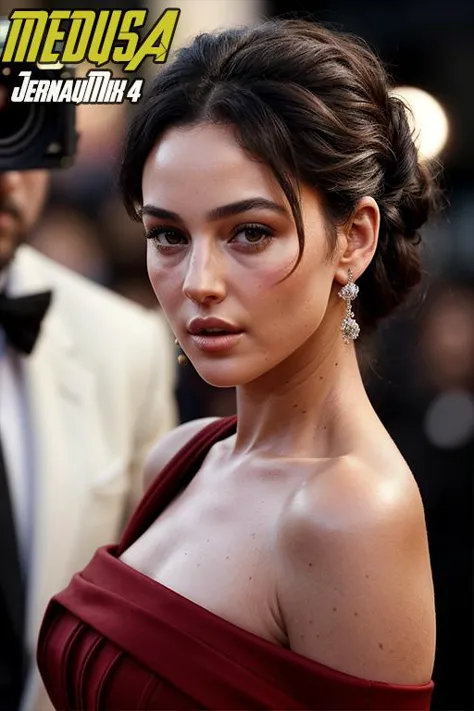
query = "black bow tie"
{"x": 20, "y": 318}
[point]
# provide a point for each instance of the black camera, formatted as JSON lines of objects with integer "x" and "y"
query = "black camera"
{"x": 33, "y": 135}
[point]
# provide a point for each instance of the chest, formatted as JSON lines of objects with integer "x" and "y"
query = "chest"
{"x": 215, "y": 544}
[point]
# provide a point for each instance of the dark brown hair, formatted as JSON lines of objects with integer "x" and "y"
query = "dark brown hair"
{"x": 314, "y": 105}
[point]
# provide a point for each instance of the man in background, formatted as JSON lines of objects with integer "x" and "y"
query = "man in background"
{"x": 86, "y": 387}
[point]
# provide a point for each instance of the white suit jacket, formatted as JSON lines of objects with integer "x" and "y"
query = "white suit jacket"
{"x": 100, "y": 391}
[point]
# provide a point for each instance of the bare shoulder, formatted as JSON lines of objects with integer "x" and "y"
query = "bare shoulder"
{"x": 354, "y": 581}
{"x": 174, "y": 440}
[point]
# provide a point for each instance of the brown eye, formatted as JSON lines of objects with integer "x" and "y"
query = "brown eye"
{"x": 166, "y": 237}
{"x": 252, "y": 235}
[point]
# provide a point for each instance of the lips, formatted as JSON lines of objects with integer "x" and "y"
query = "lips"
{"x": 212, "y": 327}
{"x": 8, "y": 208}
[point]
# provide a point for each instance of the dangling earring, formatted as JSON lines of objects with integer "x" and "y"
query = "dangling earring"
{"x": 182, "y": 358}
{"x": 349, "y": 327}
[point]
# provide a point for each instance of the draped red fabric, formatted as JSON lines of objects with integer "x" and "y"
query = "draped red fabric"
{"x": 115, "y": 639}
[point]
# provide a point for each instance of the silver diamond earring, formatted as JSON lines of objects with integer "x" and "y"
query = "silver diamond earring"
{"x": 349, "y": 327}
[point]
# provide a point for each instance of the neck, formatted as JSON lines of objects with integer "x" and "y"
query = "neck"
{"x": 306, "y": 406}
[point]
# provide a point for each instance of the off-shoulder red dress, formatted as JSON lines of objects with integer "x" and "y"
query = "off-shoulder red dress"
{"x": 115, "y": 639}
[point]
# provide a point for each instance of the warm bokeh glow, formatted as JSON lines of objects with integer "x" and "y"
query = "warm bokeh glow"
{"x": 427, "y": 117}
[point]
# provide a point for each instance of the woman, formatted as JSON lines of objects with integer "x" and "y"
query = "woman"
{"x": 278, "y": 559}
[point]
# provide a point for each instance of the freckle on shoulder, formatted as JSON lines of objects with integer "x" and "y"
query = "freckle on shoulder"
{"x": 348, "y": 496}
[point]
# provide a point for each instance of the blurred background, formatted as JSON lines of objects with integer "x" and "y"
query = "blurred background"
{"x": 419, "y": 368}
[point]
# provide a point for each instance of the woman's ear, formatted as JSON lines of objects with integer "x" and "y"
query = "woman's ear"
{"x": 361, "y": 233}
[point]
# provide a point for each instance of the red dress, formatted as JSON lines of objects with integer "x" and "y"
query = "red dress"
{"x": 116, "y": 639}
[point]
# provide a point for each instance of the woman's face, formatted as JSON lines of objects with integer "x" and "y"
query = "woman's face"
{"x": 221, "y": 239}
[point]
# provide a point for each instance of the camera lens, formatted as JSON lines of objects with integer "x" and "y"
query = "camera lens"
{"x": 19, "y": 122}
{"x": 33, "y": 135}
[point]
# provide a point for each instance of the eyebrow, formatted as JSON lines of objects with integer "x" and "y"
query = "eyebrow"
{"x": 218, "y": 213}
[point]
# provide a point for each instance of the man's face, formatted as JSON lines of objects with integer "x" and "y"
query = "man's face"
{"x": 22, "y": 196}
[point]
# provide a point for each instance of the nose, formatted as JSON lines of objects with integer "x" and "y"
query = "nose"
{"x": 205, "y": 278}
{"x": 9, "y": 181}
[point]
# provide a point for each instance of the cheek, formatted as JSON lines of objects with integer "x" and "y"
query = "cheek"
{"x": 294, "y": 307}
{"x": 267, "y": 274}
{"x": 163, "y": 278}
{"x": 35, "y": 188}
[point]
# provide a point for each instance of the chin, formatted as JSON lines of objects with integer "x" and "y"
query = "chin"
{"x": 222, "y": 373}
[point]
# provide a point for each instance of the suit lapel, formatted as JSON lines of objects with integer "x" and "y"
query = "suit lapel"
{"x": 61, "y": 402}
{"x": 60, "y": 392}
